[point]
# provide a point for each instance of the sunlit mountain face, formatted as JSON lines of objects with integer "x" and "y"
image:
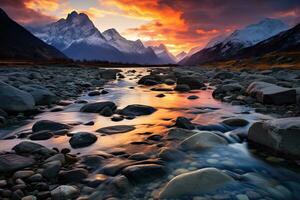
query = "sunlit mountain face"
{"x": 179, "y": 25}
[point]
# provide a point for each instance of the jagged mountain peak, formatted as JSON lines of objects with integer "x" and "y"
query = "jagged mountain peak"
{"x": 112, "y": 34}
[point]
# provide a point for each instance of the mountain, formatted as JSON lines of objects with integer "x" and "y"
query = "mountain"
{"x": 180, "y": 56}
{"x": 238, "y": 40}
{"x": 162, "y": 52}
{"x": 215, "y": 40}
{"x": 287, "y": 41}
{"x": 79, "y": 38}
{"x": 18, "y": 43}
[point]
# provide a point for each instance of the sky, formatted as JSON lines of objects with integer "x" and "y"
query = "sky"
{"x": 179, "y": 24}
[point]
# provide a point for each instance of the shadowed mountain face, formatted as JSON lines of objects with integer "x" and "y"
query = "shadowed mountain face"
{"x": 238, "y": 40}
{"x": 18, "y": 43}
{"x": 78, "y": 38}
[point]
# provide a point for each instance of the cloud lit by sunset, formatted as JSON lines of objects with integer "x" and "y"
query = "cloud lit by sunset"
{"x": 179, "y": 24}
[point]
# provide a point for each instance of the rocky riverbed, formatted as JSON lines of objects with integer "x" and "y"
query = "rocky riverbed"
{"x": 149, "y": 133}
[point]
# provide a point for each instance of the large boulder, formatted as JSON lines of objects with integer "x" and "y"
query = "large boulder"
{"x": 202, "y": 140}
{"x": 14, "y": 162}
{"x": 15, "y": 100}
{"x": 268, "y": 93}
{"x": 43, "y": 125}
{"x": 26, "y": 147}
{"x": 137, "y": 110}
{"x": 194, "y": 183}
{"x": 98, "y": 107}
{"x": 282, "y": 135}
{"x": 193, "y": 82}
{"x": 41, "y": 95}
{"x": 150, "y": 80}
{"x": 180, "y": 133}
{"x": 82, "y": 139}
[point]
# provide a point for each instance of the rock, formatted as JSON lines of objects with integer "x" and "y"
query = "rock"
{"x": 215, "y": 127}
{"x": 106, "y": 111}
{"x": 64, "y": 192}
{"x": 192, "y": 81}
{"x": 51, "y": 169}
{"x": 182, "y": 122}
{"x": 182, "y": 88}
{"x": 238, "y": 122}
{"x": 23, "y": 174}
{"x": 179, "y": 133}
{"x": 35, "y": 178}
{"x": 194, "y": 183}
{"x": 169, "y": 81}
{"x": 138, "y": 156}
{"x": 154, "y": 137}
{"x": 202, "y": 140}
{"x": 29, "y": 197}
{"x": 144, "y": 173}
{"x": 170, "y": 154}
{"x": 150, "y": 80}
{"x": 192, "y": 97}
{"x": 48, "y": 125}
{"x": 41, "y": 135}
{"x": 33, "y": 148}
{"x": 94, "y": 93}
{"x": 41, "y": 95}
{"x": 116, "y": 129}
{"x": 109, "y": 73}
{"x": 73, "y": 176}
{"x": 137, "y": 110}
{"x": 160, "y": 95}
{"x": 232, "y": 87}
{"x": 60, "y": 157}
{"x": 17, "y": 195}
{"x": 268, "y": 93}
{"x": 223, "y": 75}
{"x": 97, "y": 107}
{"x": 82, "y": 139}
{"x": 281, "y": 135}
{"x": 13, "y": 162}
{"x": 15, "y": 100}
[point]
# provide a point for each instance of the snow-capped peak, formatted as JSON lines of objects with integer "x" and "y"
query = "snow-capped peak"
{"x": 162, "y": 52}
{"x": 180, "y": 56}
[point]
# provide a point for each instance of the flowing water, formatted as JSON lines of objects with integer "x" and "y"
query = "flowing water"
{"x": 282, "y": 176}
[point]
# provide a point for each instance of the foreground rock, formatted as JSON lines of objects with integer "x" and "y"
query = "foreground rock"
{"x": 82, "y": 139}
{"x": 64, "y": 192}
{"x": 202, "y": 140}
{"x": 281, "y": 135}
{"x": 116, "y": 129}
{"x": 268, "y": 93}
{"x": 49, "y": 125}
{"x": 137, "y": 110}
{"x": 13, "y": 162}
{"x": 33, "y": 148}
{"x": 194, "y": 183}
{"x": 98, "y": 107}
{"x": 15, "y": 100}
{"x": 192, "y": 81}
{"x": 180, "y": 134}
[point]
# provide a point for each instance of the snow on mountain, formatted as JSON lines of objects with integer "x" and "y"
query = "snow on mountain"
{"x": 215, "y": 40}
{"x": 180, "y": 56}
{"x": 75, "y": 28}
{"x": 162, "y": 52}
{"x": 115, "y": 39}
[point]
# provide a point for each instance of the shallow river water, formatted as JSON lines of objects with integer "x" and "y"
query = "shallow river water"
{"x": 281, "y": 178}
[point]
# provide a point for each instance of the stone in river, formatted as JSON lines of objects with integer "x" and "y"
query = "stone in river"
{"x": 106, "y": 111}
{"x": 192, "y": 81}
{"x": 15, "y": 100}
{"x": 94, "y": 93}
{"x": 192, "y": 97}
{"x": 49, "y": 125}
{"x": 144, "y": 173}
{"x": 238, "y": 122}
{"x": 41, "y": 135}
{"x": 182, "y": 88}
{"x": 268, "y": 93}
{"x": 202, "y": 140}
{"x": 194, "y": 183}
{"x": 26, "y": 147}
{"x": 150, "y": 80}
{"x": 41, "y": 95}
{"x": 137, "y": 110}
{"x": 116, "y": 129}
{"x": 14, "y": 162}
{"x": 282, "y": 135}
{"x": 182, "y": 122}
{"x": 64, "y": 192}
{"x": 97, "y": 107}
{"x": 82, "y": 139}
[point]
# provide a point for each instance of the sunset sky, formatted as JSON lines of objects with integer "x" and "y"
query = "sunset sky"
{"x": 179, "y": 24}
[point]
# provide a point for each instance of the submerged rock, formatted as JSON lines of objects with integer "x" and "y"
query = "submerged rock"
{"x": 137, "y": 110}
{"x": 15, "y": 100}
{"x": 194, "y": 183}
{"x": 82, "y": 139}
{"x": 282, "y": 135}
{"x": 49, "y": 125}
{"x": 268, "y": 93}
{"x": 98, "y": 107}
{"x": 116, "y": 129}
{"x": 202, "y": 140}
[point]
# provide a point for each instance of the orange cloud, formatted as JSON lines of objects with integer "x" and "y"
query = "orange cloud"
{"x": 42, "y": 5}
